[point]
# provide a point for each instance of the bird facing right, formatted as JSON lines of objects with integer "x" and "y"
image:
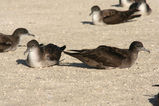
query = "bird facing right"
{"x": 10, "y": 42}
{"x": 106, "y": 57}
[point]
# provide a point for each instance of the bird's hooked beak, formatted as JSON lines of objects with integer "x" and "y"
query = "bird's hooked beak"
{"x": 144, "y": 49}
{"x": 91, "y": 13}
{"x": 27, "y": 50}
{"x": 29, "y": 34}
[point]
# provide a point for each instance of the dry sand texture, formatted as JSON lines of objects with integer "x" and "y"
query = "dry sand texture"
{"x": 59, "y": 22}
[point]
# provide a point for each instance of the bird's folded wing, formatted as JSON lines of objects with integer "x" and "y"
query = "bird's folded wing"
{"x": 109, "y": 13}
{"x": 51, "y": 52}
{"x": 105, "y": 55}
{"x": 5, "y": 41}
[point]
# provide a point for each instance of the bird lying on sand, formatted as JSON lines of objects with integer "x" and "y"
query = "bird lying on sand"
{"x": 140, "y": 5}
{"x": 107, "y": 57}
{"x": 111, "y": 16}
{"x": 42, "y": 55}
{"x": 10, "y": 42}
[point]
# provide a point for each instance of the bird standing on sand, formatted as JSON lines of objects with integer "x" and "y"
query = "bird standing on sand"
{"x": 106, "y": 57}
{"x": 111, "y": 16}
{"x": 10, "y": 42}
{"x": 42, "y": 56}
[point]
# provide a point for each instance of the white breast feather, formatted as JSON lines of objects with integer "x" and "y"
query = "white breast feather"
{"x": 34, "y": 59}
{"x": 142, "y": 8}
{"x": 96, "y": 18}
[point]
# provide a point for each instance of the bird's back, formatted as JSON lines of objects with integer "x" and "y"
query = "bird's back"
{"x": 112, "y": 16}
{"x": 101, "y": 57}
{"x": 52, "y": 52}
{"x": 6, "y": 42}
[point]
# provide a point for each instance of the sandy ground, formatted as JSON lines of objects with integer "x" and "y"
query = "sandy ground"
{"x": 59, "y": 22}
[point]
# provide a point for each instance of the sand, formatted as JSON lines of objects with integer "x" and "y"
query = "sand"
{"x": 59, "y": 22}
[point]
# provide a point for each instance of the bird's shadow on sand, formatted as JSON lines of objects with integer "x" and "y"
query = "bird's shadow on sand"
{"x": 77, "y": 65}
{"x": 87, "y": 22}
{"x": 22, "y": 61}
{"x": 154, "y": 100}
{"x": 91, "y": 23}
{"x": 116, "y": 5}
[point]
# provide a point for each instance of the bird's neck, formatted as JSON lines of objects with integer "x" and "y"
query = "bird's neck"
{"x": 16, "y": 35}
{"x": 133, "y": 56}
{"x": 16, "y": 41}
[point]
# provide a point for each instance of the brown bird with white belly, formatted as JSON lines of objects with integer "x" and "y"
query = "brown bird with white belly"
{"x": 140, "y": 5}
{"x": 10, "y": 42}
{"x": 43, "y": 55}
{"x": 111, "y": 16}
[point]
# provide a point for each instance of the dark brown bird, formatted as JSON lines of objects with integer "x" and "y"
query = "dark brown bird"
{"x": 111, "y": 16}
{"x": 104, "y": 57}
{"x": 142, "y": 6}
{"x": 157, "y": 85}
{"x": 42, "y": 55}
{"x": 10, "y": 42}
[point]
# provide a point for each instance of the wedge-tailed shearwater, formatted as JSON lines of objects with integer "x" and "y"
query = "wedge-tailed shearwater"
{"x": 106, "y": 57}
{"x": 10, "y": 42}
{"x": 111, "y": 16}
{"x": 142, "y": 6}
{"x": 42, "y": 55}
